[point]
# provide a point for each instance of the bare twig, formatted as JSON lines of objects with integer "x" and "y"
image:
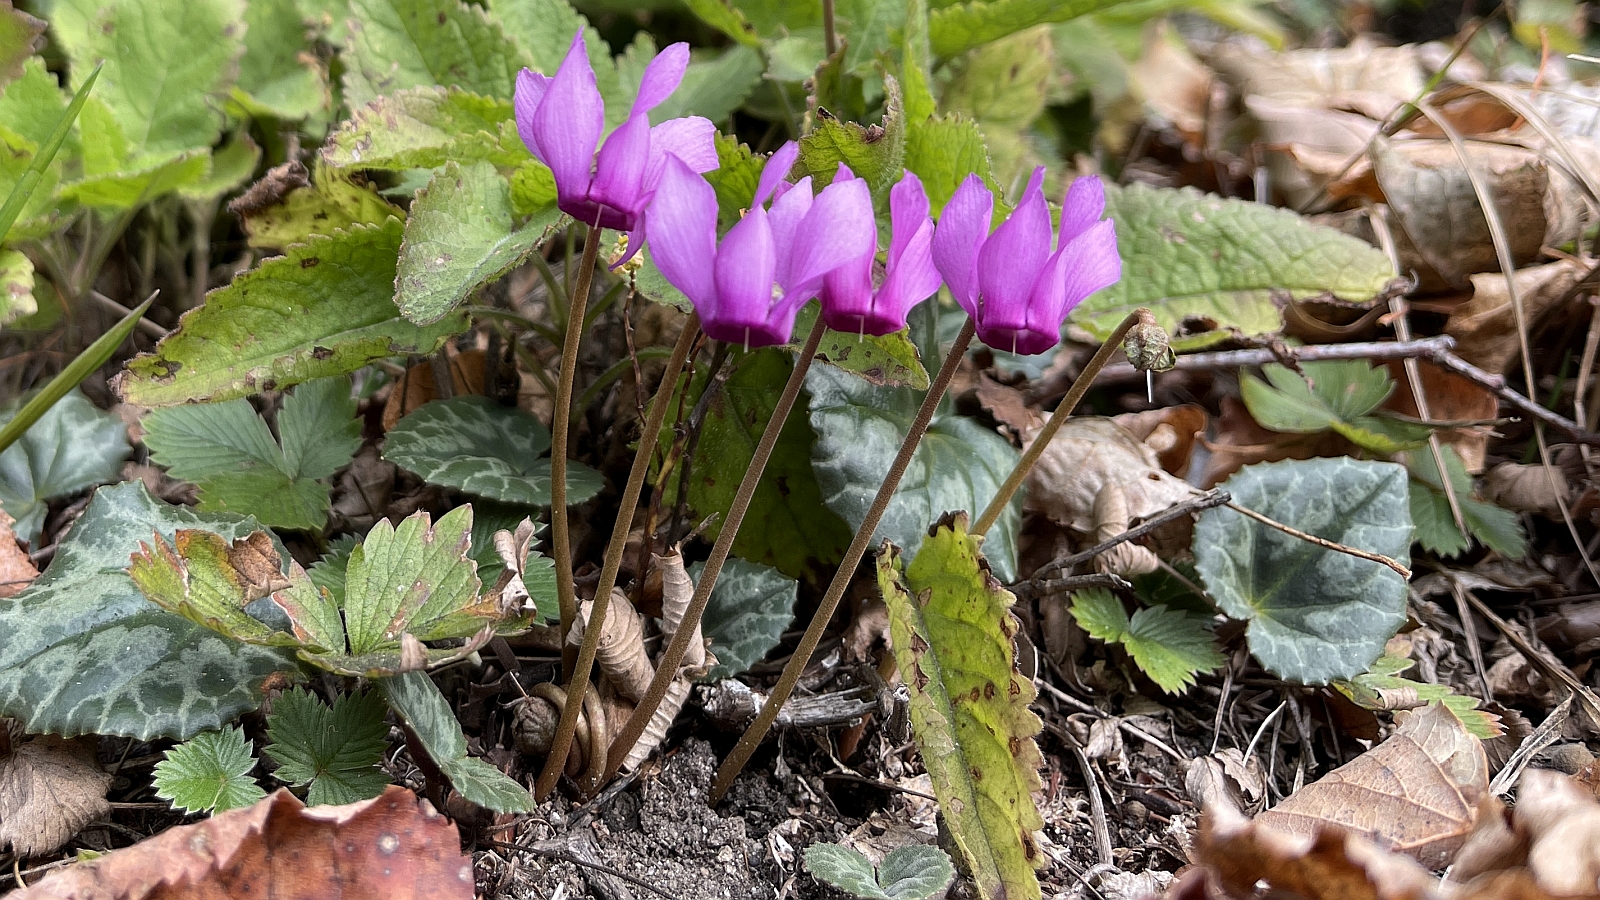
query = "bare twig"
{"x": 145, "y": 325}
{"x": 1178, "y": 511}
{"x": 1232, "y": 359}
{"x": 1324, "y": 543}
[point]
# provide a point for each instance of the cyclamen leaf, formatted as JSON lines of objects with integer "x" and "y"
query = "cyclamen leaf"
{"x": 336, "y": 750}
{"x": 414, "y": 697}
{"x": 327, "y": 308}
{"x": 1314, "y": 614}
{"x": 209, "y": 773}
{"x": 71, "y": 447}
{"x": 915, "y": 872}
{"x": 745, "y": 618}
{"x": 1193, "y": 256}
{"x": 953, "y": 631}
{"x": 845, "y": 869}
{"x": 399, "y": 44}
{"x": 1168, "y": 645}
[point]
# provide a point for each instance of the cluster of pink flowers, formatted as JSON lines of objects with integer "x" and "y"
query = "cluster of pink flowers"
{"x": 798, "y": 243}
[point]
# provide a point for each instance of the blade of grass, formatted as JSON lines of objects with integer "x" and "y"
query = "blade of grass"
{"x": 23, "y": 189}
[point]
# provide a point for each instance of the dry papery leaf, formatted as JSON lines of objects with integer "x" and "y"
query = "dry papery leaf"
{"x": 1527, "y": 488}
{"x": 1485, "y": 327}
{"x": 1451, "y": 398}
{"x": 395, "y": 846}
{"x": 50, "y": 788}
{"x": 1554, "y": 833}
{"x": 418, "y": 385}
{"x": 1172, "y": 83}
{"x": 16, "y": 570}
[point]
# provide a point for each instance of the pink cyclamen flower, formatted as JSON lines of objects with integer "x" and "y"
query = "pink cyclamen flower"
{"x": 849, "y": 302}
{"x": 561, "y": 120}
{"x": 1016, "y": 291}
{"x": 771, "y": 262}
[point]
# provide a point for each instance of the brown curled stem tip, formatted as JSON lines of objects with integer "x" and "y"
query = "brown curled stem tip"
{"x": 847, "y": 569}
{"x": 1080, "y": 386}
{"x": 689, "y": 628}
{"x": 612, "y": 564}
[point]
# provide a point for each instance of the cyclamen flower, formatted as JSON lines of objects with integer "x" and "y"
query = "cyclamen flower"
{"x": 561, "y": 120}
{"x": 850, "y": 304}
{"x": 749, "y": 289}
{"x": 1016, "y": 291}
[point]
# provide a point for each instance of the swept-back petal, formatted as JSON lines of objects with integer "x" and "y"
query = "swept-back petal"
{"x": 682, "y": 231}
{"x": 1011, "y": 259}
{"x": 911, "y": 277}
{"x": 788, "y": 211}
{"x": 1091, "y": 262}
{"x": 776, "y": 170}
{"x": 839, "y": 228}
{"x": 661, "y": 77}
{"x": 568, "y": 122}
{"x": 1083, "y": 206}
{"x": 618, "y": 185}
{"x": 744, "y": 277}
{"x": 963, "y": 228}
{"x": 908, "y": 211}
{"x": 692, "y": 139}
{"x": 531, "y": 86}
{"x": 847, "y": 301}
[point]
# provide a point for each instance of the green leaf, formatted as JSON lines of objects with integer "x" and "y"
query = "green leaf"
{"x": 1003, "y": 83}
{"x": 319, "y": 428}
{"x": 203, "y": 578}
{"x": 1204, "y": 264}
{"x": 399, "y": 44}
{"x": 20, "y": 33}
{"x": 1314, "y": 614}
{"x": 325, "y": 309}
{"x": 915, "y": 872}
{"x": 71, "y": 447}
{"x": 414, "y": 697}
{"x": 845, "y": 869}
{"x": 86, "y": 653}
{"x": 416, "y": 579}
{"x": 745, "y": 618}
{"x": 876, "y": 153}
{"x": 24, "y": 169}
{"x": 461, "y": 236}
{"x": 890, "y": 360}
{"x": 166, "y": 67}
{"x": 735, "y": 179}
{"x": 328, "y": 572}
{"x": 134, "y": 183}
{"x": 959, "y": 465}
{"x": 16, "y": 286}
{"x": 479, "y": 447}
{"x": 953, "y": 631}
{"x": 425, "y": 127}
{"x": 727, "y": 18}
{"x": 1380, "y": 687}
{"x": 1496, "y": 528}
{"x": 1171, "y": 646}
{"x": 279, "y": 74}
{"x": 32, "y": 106}
{"x": 942, "y": 152}
{"x": 209, "y": 773}
{"x": 787, "y": 526}
{"x": 228, "y": 167}
{"x": 334, "y": 200}
{"x": 335, "y": 749}
{"x": 1334, "y": 395}
{"x": 958, "y": 27}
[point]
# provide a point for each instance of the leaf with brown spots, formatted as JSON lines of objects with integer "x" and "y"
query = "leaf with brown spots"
{"x": 49, "y": 789}
{"x": 396, "y": 847}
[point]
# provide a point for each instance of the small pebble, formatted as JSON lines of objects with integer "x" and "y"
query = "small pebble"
{"x": 1568, "y": 758}
{"x": 1134, "y": 811}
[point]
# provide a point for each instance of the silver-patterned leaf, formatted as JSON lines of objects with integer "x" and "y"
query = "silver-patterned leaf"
{"x": 749, "y": 609}
{"x": 73, "y": 446}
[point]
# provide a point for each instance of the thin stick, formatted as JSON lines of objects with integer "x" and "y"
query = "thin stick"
{"x": 751, "y": 739}
{"x": 1063, "y": 412}
{"x": 563, "y": 856}
{"x": 1178, "y": 511}
{"x": 1324, "y": 543}
{"x": 830, "y": 34}
{"x": 1233, "y": 359}
{"x": 688, "y": 628}
{"x": 556, "y": 762}
{"x": 560, "y": 536}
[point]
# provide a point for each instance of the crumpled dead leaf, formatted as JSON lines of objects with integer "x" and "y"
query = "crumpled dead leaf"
{"x": 1554, "y": 833}
{"x": 395, "y": 846}
{"x": 16, "y": 570}
{"x": 1226, "y": 778}
{"x": 1527, "y": 488}
{"x": 1485, "y": 327}
{"x": 50, "y": 788}
{"x": 418, "y": 385}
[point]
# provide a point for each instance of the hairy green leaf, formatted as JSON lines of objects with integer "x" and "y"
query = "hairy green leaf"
{"x": 876, "y": 153}
{"x": 957, "y": 27}
{"x": 943, "y": 152}
{"x": 414, "y": 697}
{"x": 1203, "y": 264}
{"x": 735, "y": 179}
{"x": 334, "y": 200}
{"x": 209, "y": 773}
{"x": 86, "y": 653}
{"x": 543, "y": 29}
{"x": 280, "y": 74}
{"x": 71, "y": 447}
{"x": 749, "y": 609}
{"x": 20, "y": 34}
{"x": 399, "y": 44}
{"x": 1003, "y": 83}
{"x": 425, "y": 127}
{"x": 336, "y": 750}
{"x": 461, "y": 236}
{"x": 1314, "y": 614}
{"x": 953, "y": 635}
{"x": 912, "y": 872}
{"x": 325, "y": 309}
{"x": 16, "y": 286}
{"x": 1169, "y": 645}
{"x": 845, "y": 869}
{"x": 477, "y": 446}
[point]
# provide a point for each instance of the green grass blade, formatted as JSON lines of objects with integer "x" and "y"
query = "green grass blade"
{"x": 23, "y": 189}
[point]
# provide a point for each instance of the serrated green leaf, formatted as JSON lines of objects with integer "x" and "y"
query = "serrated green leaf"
{"x": 1314, "y": 614}
{"x": 1333, "y": 395}
{"x": 943, "y": 152}
{"x": 745, "y": 618}
{"x": 952, "y": 631}
{"x": 328, "y": 572}
{"x": 336, "y": 750}
{"x": 325, "y": 309}
{"x": 1193, "y": 256}
{"x": 1494, "y": 527}
{"x": 878, "y": 155}
{"x": 414, "y": 697}
{"x": 279, "y": 74}
{"x": 958, "y": 27}
{"x": 959, "y": 465}
{"x": 425, "y": 127}
{"x": 1169, "y": 645}
{"x": 333, "y": 201}
{"x": 319, "y": 428}
{"x": 1380, "y": 688}
{"x": 416, "y": 579}
{"x": 735, "y": 179}
{"x": 399, "y": 44}
{"x": 71, "y": 447}
{"x": 20, "y": 34}
{"x": 16, "y": 286}
{"x": 461, "y": 236}
{"x": 477, "y": 446}
{"x": 845, "y": 869}
{"x": 887, "y": 360}
{"x": 915, "y": 872}
{"x": 209, "y": 773}
{"x": 1003, "y": 83}
{"x": 202, "y": 440}
{"x": 202, "y": 577}
{"x": 86, "y": 653}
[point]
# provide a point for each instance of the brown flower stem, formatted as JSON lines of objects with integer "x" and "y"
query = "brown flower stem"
{"x": 1080, "y": 386}
{"x": 560, "y": 536}
{"x": 688, "y": 628}
{"x": 846, "y": 573}
{"x": 556, "y": 762}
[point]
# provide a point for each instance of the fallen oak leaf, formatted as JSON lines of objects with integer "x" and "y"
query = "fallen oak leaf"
{"x": 395, "y": 846}
{"x": 50, "y": 788}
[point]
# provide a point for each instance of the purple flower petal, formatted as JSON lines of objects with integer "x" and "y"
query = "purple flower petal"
{"x": 847, "y": 301}
{"x": 617, "y": 189}
{"x": 911, "y": 278}
{"x": 743, "y": 273}
{"x": 529, "y": 94}
{"x": 908, "y": 210}
{"x": 776, "y": 170}
{"x": 1083, "y": 206}
{"x": 1011, "y": 259}
{"x": 788, "y": 211}
{"x": 840, "y": 227}
{"x": 567, "y": 125}
{"x": 661, "y": 77}
{"x": 1091, "y": 262}
{"x": 692, "y": 139}
{"x": 963, "y": 229}
{"x": 682, "y": 231}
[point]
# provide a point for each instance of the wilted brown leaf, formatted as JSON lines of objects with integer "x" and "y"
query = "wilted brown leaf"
{"x": 395, "y": 846}
{"x": 49, "y": 789}
{"x": 1416, "y": 793}
{"x": 16, "y": 570}
{"x": 1485, "y": 327}
{"x": 418, "y": 385}
{"x": 1451, "y": 398}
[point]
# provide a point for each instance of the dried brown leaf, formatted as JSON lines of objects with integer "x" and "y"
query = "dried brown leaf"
{"x": 418, "y": 385}
{"x": 395, "y": 846}
{"x": 1561, "y": 821}
{"x": 16, "y": 570}
{"x": 50, "y": 788}
{"x": 1451, "y": 398}
{"x": 1485, "y": 327}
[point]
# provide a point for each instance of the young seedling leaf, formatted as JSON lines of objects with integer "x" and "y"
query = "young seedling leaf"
{"x": 1494, "y": 527}
{"x": 915, "y": 872}
{"x": 414, "y": 697}
{"x": 1171, "y": 646}
{"x": 1332, "y": 395}
{"x": 953, "y": 632}
{"x": 399, "y": 44}
{"x": 845, "y": 869}
{"x": 1315, "y": 614}
{"x": 336, "y": 750}
{"x": 479, "y": 447}
{"x": 209, "y": 773}
{"x": 70, "y": 447}
{"x": 745, "y": 618}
